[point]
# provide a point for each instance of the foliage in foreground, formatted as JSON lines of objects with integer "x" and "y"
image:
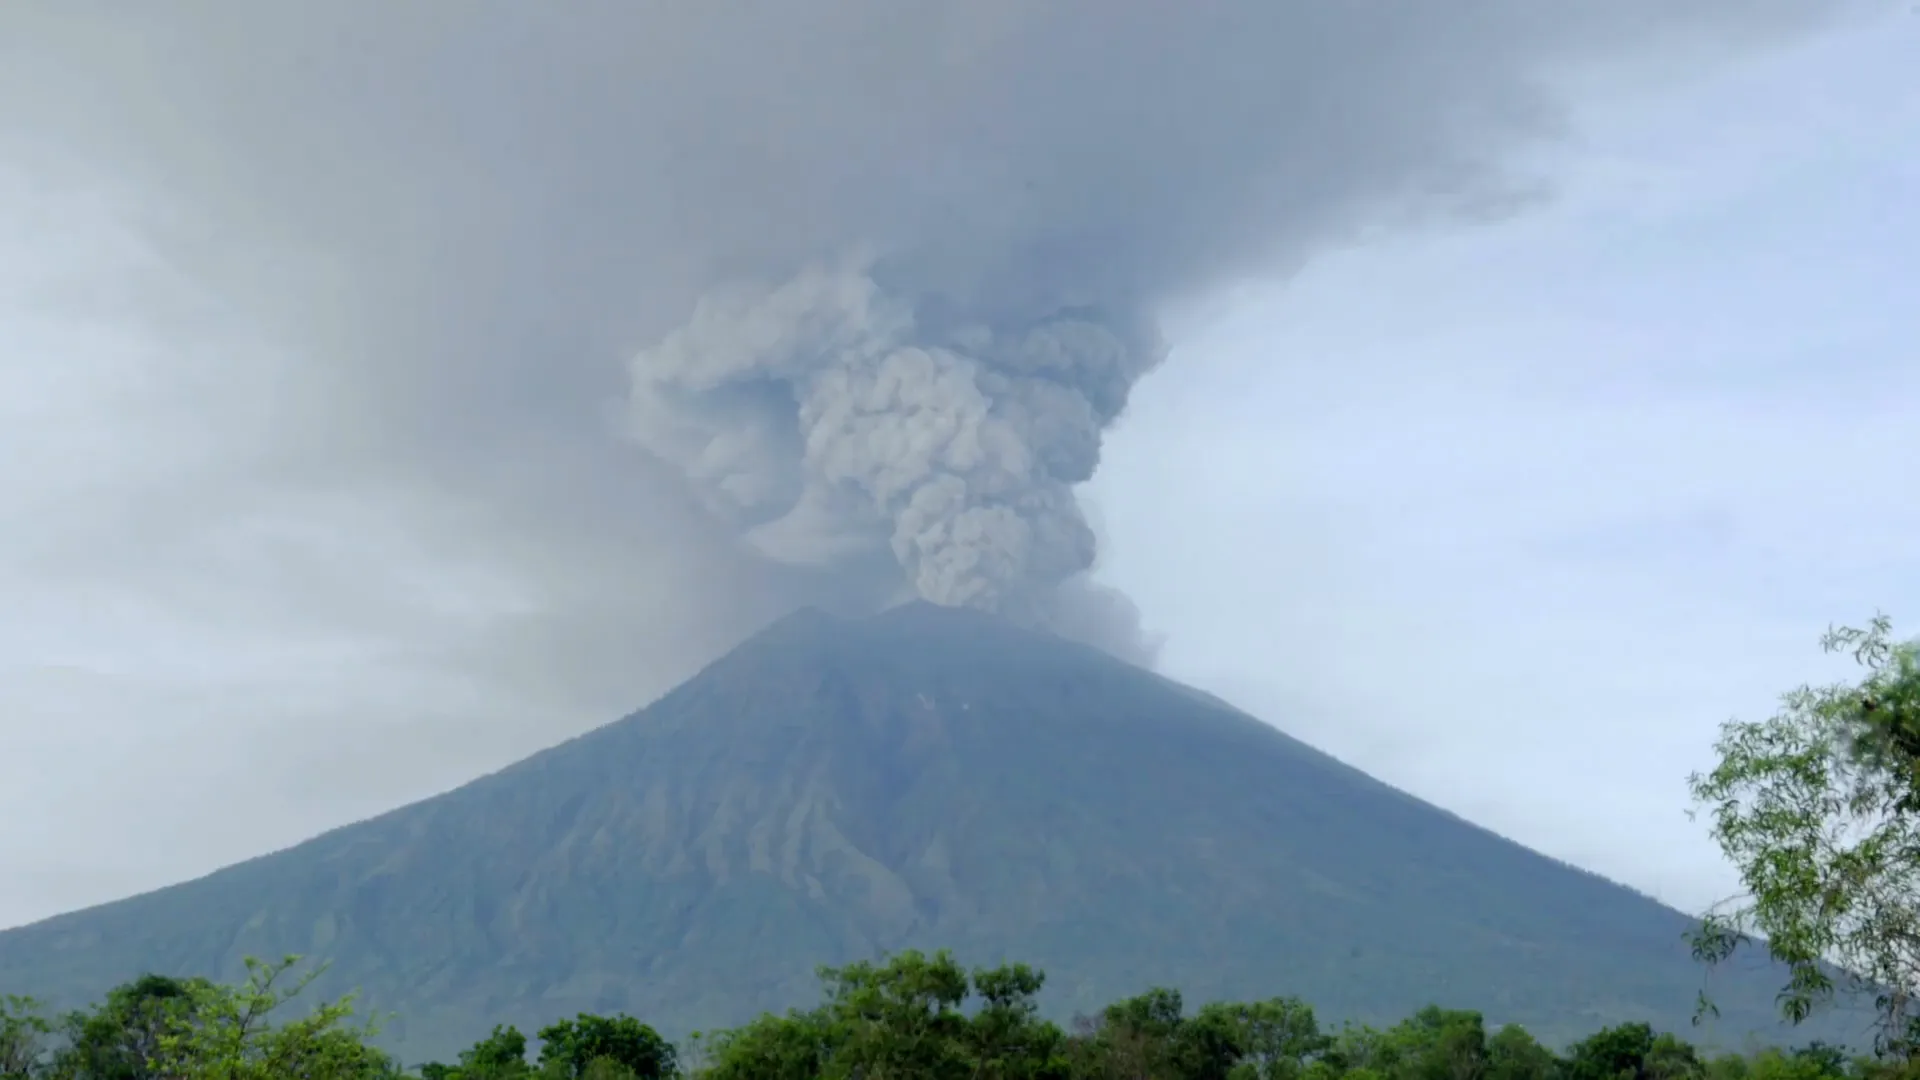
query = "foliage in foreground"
{"x": 161, "y": 1028}
{"x": 1819, "y": 808}
{"x": 913, "y": 1017}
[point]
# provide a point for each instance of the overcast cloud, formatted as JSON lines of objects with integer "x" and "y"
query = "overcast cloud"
{"x": 321, "y": 333}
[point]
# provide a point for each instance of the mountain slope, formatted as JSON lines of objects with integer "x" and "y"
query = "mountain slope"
{"x": 928, "y": 777}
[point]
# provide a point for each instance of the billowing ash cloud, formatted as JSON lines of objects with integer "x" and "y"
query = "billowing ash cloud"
{"x": 824, "y": 417}
{"x": 660, "y": 318}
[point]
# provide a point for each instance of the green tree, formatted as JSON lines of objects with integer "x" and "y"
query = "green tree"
{"x": 603, "y": 1068}
{"x": 570, "y": 1049}
{"x": 903, "y": 1019}
{"x": 119, "y": 1038}
{"x": 502, "y": 1055}
{"x": 1673, "y": 1058}
{"x": 1134, "y": 1037}
{"x": 899, "y": 1020}
{"x": 226, "y": 1033}
{"x": 23, "y": 1037}
{"x": 1276, "y": 1039}
{"x": 796, "y": 1046}
{"x": 1615, "y": 1053}
{"x": 504, "y": 1050}
{"x": 1360, "y": 1048}
{"x": 1007, "y": 1039}
{"x": 1151, "y": 1036}
{"x": 1774, "y": 1064}
{"x": 1825, "y": 1059}
{"x": 1728, "y": 1067}
{"x": 1208, "y": 1046}
{"x": 1514, "y": 1054}
{"x": 1819, "y": 809}
{"x": 1441, "y": 1044}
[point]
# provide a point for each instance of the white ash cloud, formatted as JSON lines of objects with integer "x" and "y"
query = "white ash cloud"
{"x": 823, "y": 418}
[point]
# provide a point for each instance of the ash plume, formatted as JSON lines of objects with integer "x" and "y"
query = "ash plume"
{"x": 824, "y": 417}
{"x": 663, "y": 318}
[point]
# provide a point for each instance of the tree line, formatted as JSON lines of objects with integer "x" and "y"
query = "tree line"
{"x": 910, "y": 1017}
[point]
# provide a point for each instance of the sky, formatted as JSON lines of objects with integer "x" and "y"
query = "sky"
{"x": 1511, "y": 513}
{"x": 1531, "y": 597}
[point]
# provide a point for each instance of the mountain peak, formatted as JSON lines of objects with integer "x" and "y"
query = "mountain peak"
{"x": 835, "y": 788}
{"x": 924, "y": 617}
{"x": 918, "y": 636}
{"x": 800, "y": 623}
{"x": 912, "y": 616}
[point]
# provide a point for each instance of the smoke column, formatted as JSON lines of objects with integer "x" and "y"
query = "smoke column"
{"x": 825, "y": 417}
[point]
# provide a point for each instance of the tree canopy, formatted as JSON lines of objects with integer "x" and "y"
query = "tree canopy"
{"x": 1818, "y": 807}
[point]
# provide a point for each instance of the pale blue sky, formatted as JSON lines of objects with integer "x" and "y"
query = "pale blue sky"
{"x": 1511, "y": 516}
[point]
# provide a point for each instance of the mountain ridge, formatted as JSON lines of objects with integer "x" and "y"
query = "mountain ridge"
{"x": 837, "y": 788}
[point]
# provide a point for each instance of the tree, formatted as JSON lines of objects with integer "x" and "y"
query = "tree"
{"x": 1819, "y": 809}
{"x": 1209, "y": 1045}
{"x": 1778, "y": 1065}
{"x": 1673, "y": 1058}
{"x": 1135, "y": 1037}
{"x": 119, "y": 1039}
{"x": 570, "y": 1049}
{"x": 225, "y": 1033}
{"x": 1361, "y": 1048}
{"x": 902, "y": 1019}
{"x": 502, "y": 1055}
{"x": 1615, "y": 1053}
{"x": 1007, "y": 1039}
{"x": 796, "y": 1046}
{"x": 1514, "y": 1054}
{"x": 1276, "y": 1039}
{"x": 23, "y": 1036}
{"x": 159, "y": 1027}
{"x": 1442, "y": 1044}
{"x": 1633, "y": 1052}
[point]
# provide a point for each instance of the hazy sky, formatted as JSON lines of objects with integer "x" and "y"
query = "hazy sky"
{"x": 1511, "y": 515}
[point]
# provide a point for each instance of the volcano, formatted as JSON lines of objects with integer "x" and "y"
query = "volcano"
{"x": 836, "y": 789}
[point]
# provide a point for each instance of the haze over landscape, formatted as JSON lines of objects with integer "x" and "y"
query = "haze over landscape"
{"x": 1494, "y": 401}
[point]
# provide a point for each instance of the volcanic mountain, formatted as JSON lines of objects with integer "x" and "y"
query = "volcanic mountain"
{"x": 835, "y": 789}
